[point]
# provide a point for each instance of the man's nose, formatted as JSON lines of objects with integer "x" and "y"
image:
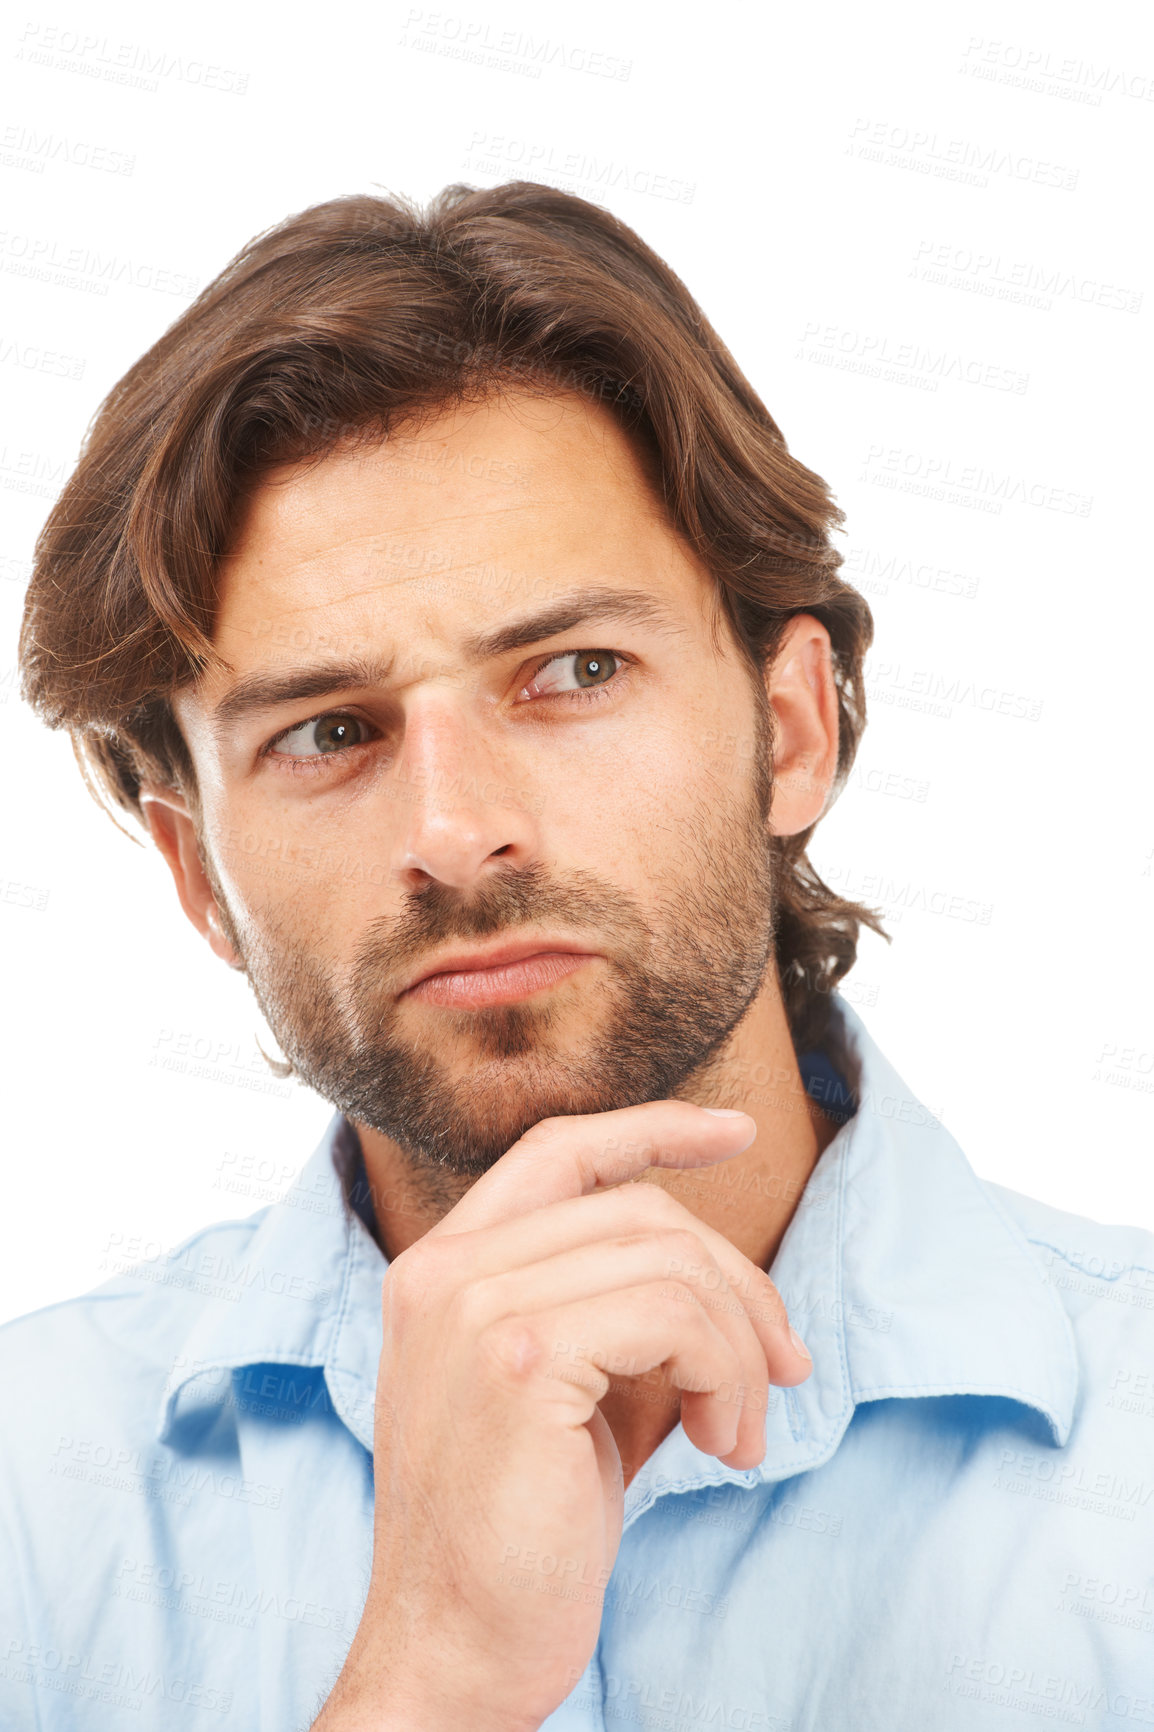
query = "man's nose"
{"x": 455, "y": 785}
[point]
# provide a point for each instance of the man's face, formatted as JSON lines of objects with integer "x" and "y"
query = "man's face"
{"x": 394, "y": 790}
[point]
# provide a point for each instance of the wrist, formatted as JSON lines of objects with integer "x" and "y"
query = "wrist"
{"x": 395, "y": 1703}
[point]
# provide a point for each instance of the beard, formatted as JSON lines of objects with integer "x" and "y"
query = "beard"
{"x": 681, "y": 974}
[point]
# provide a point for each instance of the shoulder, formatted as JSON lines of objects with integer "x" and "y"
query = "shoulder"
{"x": 1100, "y": 1271}
{"x": 1102, "y": 1251}
{"x": 120, "y": 1340}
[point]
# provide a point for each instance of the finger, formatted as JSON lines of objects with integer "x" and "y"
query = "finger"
{"x": 625, "y": 1334}
{"x": 612, "y": 1479}
{"x": 571, "y": 1156}
{"x": 587, "y": 1271}
{"x": 761, "y": 1302}
{"x": 630, "y": 1210}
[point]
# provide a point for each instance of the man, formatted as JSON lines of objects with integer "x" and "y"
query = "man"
{"x": 449, "y": 607}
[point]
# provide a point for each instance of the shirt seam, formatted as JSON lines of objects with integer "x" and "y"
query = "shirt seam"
{"x": 847, "y": 1391}
{"x": 1068, "y": 1257}
{"x": 333, "y": 1345}
{"x": 880, "y": 1391}
{"x": 1065, "y": 1404}
{"x": 74, "y": 1299}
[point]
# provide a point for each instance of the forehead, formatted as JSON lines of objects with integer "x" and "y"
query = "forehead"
{"x": 441, "y": 528}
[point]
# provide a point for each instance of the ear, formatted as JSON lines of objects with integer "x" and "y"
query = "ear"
{"x": 803, "y": 696}
{"x": 170, "y": 823}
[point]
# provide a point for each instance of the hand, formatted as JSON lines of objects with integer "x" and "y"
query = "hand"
{"x": 499, "y": 1487}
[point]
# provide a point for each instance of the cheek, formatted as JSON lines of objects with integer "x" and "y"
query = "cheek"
{"x": 640, "y": 814}
{"x": 316, "y": 896}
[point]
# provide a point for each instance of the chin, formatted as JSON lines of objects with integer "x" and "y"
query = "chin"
{"x": 465, "y": 1124}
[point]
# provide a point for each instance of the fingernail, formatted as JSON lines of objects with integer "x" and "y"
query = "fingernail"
{"x": 799, "y": 1345}
{"x": 724, "y": 1112}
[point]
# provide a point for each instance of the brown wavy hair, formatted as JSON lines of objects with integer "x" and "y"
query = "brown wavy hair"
{"x": 345, "y": 321}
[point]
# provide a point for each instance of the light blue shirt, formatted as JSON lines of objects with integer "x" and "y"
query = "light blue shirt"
{"x": 953, "y": 1526}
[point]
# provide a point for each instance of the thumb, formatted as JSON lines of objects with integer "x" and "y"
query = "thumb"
{"x": 572, "y": 1155}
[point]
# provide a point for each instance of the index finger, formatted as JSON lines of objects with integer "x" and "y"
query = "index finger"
{"x": 570, "y": 1156}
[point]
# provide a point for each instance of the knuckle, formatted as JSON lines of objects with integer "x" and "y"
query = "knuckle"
{"x": 683, "y": 1248}
{"x": 544, "y": 1131}
{"x": 656, "y": 1208}
{"x": 681, "y": 1293}
{"x": 684, "y": 1239}
{"x": 771, "y": 1307}
{"x": 420, "y": 1278}
{"x": 468, "y": 1312}
{"x": 510, "y": 1350}
{"x": 408, "y": 1278}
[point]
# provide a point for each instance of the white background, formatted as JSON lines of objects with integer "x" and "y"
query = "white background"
{"x": 890, "y": 216}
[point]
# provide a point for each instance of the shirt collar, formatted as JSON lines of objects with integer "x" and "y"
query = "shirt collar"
{"x": 902, "y": 1274}
{"x": 904, "y": 1277}
{"x": 305, "y": 1291}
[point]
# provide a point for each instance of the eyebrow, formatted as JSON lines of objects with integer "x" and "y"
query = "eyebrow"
{"x": 636, "y": 606}
{"x": 269, "y": 691}
{"x": 266, "y": 691}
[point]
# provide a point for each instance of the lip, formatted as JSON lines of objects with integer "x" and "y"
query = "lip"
{"x": 496, "y": 956}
